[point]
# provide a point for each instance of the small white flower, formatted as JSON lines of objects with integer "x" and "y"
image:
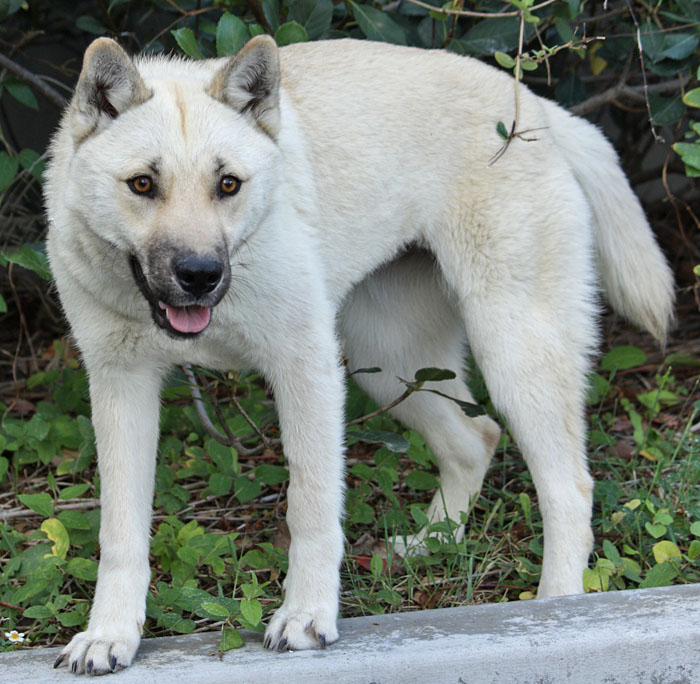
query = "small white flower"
{"x": 14, "y": 636}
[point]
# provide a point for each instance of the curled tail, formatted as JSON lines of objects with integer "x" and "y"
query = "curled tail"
{"x": 636, "y": 278}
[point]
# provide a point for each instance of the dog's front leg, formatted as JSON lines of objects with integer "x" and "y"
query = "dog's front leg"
{"x": 125, "y": 412}
{"x": 309, "y": 391}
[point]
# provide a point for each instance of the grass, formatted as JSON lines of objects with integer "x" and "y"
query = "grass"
{"x": 219, "y": 537}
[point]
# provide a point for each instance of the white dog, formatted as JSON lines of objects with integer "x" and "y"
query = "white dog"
{"x": 236, "y": 212}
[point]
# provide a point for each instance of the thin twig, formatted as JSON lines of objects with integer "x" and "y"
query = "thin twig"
{"x": 638, "y": 34}
{"x": 518, "y": 75}
{"x": 11, "y": 606}
{"x": 384, "y": 409}
{"x": 28, "y": 513}
{"x": 248, "y": 419}
{"x": 229, "y": 439}
{"x": 24, "y": 74}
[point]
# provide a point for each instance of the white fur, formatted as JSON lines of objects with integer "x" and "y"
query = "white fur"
{"x": 373, "y": 148}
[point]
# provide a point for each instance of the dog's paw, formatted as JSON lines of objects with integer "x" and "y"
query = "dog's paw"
{"x": 96, "y": 654}
{"x": 291, "y": 630}
{"x": 412, "y": 545}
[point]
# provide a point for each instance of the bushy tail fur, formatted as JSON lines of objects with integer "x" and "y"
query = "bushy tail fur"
{"x": 635, "y": 275}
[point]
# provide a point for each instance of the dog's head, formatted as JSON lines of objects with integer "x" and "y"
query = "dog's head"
{"x": 174, "y": 164}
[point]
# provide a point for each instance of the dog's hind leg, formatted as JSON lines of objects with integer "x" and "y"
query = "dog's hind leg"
{"x": 529, "y": 307}
{"x": 401, "y": 320}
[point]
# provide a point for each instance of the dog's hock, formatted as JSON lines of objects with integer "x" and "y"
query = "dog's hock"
{"x": 249, "y": 82}
{"x": 109, "y": 84}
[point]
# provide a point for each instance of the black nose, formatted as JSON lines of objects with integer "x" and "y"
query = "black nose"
{"x": 198, "y": 276}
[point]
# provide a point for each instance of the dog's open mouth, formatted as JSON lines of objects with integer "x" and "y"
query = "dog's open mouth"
{"x": 178, "y": 321}
{"x": 187, "y": 320}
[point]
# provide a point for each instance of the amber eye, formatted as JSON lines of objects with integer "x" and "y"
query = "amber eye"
{"x": 229, "y": 185}
{"x": 141, "y": 185}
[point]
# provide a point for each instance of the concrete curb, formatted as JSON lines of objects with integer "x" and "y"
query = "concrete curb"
{"x": 630, "y": 637}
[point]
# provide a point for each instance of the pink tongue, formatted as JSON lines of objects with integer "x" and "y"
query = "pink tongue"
{"x": 189, "y": 319}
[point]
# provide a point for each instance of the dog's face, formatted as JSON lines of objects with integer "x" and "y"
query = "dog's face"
{"x": 181, "y": 170}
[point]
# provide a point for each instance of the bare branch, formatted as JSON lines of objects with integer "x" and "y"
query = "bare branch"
{"x": 636, "y": 93}
{"x": 36, "y": 81}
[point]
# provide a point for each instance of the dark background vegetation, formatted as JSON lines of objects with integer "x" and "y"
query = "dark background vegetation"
{"x": 630, "y": 65}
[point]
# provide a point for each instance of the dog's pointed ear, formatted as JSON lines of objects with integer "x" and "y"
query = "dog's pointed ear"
{"x": 109, "y": 84}
{"x": 249, "y": 82}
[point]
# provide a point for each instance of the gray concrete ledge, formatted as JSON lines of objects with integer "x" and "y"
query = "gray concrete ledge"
{"x": 631, "y": 637}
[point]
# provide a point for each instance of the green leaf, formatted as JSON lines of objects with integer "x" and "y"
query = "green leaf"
{"x": 492, "y": 35}
{"x": 419, "y": 479}
{"x": 271, "y": 474}
{"x": 220, "y": 484}
{"x": 665, "y": 110}
{"x": 689, "y": 152}
{"x": 177, "y": 623}
{"x": 4, "y": 466}
{"x": 694, "y": 549}
{"x": 666, "y": 550}
{"x": 660, "y": 575}
{"x": 53, "y": 528}
{"x": 246, "y": 489}
{"x": 377, "y": 25}
{"x": 656, "y": 530}
{"x": 692, "y": 98}
{"x": 231, "y": 34}
{"x": 39, "y": 503}
{"x": 314, "y": 15}
{"x": 251, "y": 610}
{"x": 22, "y": 93}
{"x": 74, "y": 520}
{"x": 188, "y": 43}
{"x": 623, "y": 358}
{"x": 73, "y": 619}
{"x": 289, "y": 33}
{"x": 611, "y": 553}
{"x": 376, "y": 565}
{"x": 73, "y": 492}
{"x": 652, "y": 41}
{"x": 8, "y": 170}
{"x": 37, "y": 612}
{"x": 502, "y": 130}
{"x": 695, "y": 528}
{"x": 272, "y": 14}
{"x": 230, "y": 639}
{"x": 692, "y": 172}
{"x": 82, "y": 568}
{"x": 90, "y": 25}
{"x": 373, "y": 369}
{"x": 434, "y": 374}
{"x": 216, "y": 609}
{"x": 390, "y": 440}
{"x": 3, "y": 309}
{"x": 678, "y": 46}
{"x": 32, "y": 258}
{"x": 188, "y": 555}
{"x": 419, "y": 516}
{"x": 564, "y": 29}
